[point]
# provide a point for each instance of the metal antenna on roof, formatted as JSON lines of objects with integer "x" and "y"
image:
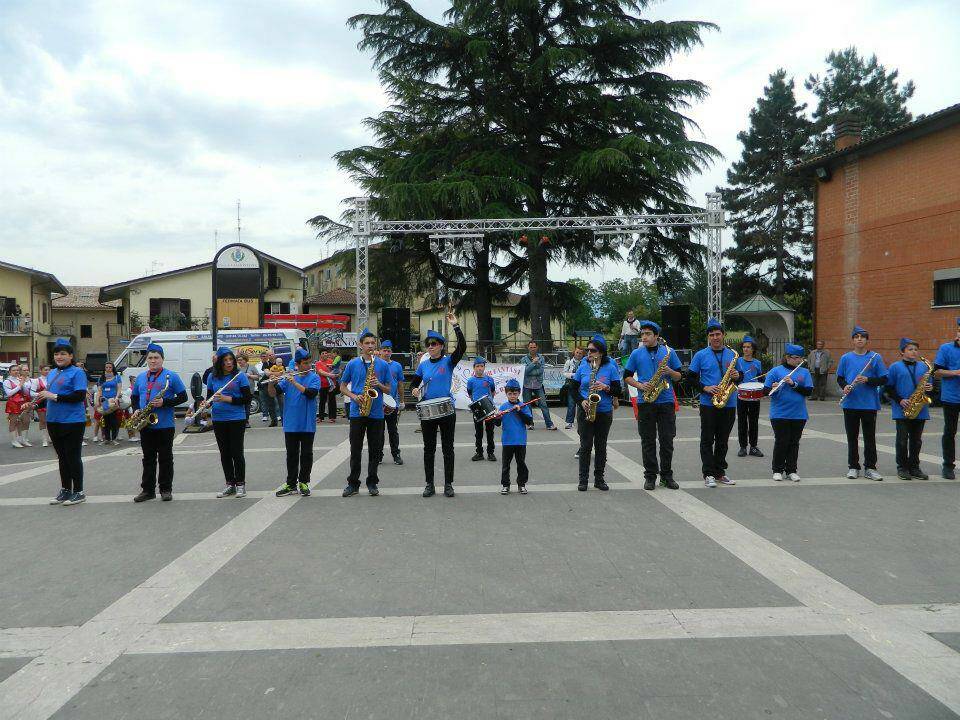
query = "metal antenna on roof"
{"x": 238, "y": 221}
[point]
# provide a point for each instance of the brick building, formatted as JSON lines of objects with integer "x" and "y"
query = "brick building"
{"x": 887, "y": 235}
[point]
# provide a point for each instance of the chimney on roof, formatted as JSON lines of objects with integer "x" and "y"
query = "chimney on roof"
{"x": 847, "y": 129}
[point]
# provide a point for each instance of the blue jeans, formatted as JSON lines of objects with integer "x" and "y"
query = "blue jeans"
{"x": 629, "y": 343}
{"x": 268, "y": 405}
{"x": 572, "y": 398}
{"x": 529, "y": 394}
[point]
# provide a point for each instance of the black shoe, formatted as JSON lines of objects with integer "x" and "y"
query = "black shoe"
{"x": 144, "y": 496}
{"x": 373, "y": 490}
{"x": 429, "y": 490}
{"x": 742, "y": 452}
{"x": 755, "y": 452}
{"x": 477, "y": 455}
{"x": 582, "y": 487}
{"x": 273, "y": 423}
{"x": 601, "y": 485}
{"x": 671, "y": 483}
{"x": 649, "y": 483}
{"x": 350, "y": 490}
{"x": 286, "y": 489}
{"x": 247, "y": 425}
{"x": 397, "y": 460}
{"x": 166, "y": 496}
{"x": 948, "y": 474}
{"x": 491, "y": 457}
{"x": 448, "y": 491}
{"x": 903, "y": 474}
{"x": 918, "y": 474}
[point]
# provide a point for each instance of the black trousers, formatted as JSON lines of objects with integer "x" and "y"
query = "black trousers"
{"x": 446, "y": 427}
{"x": 157, "y": 446}
{"x": 853, "y": 421}
{"x": 111, "y": 426}
{"x": 67, "y": 439}
{"x": 372, "y": 428}
{"x": 509, "y": 453}
{"x": 786, "y": 444}
{"x": 299, "y": 456}
{"x": 819, "y": 385}
{"x": 327, "y": 403}
{"x": 593, "y": 438}
{"x": 951, "y": 411}
{"x": 748, "y": 422}
{"x": 657, "y": 421}
{"x": 392, "y": 420}
{"x": 229, "y": 434}
{"x": 715, "y": 427}
{"x": 478, "y": 431}
{"x": 909, "y": 442}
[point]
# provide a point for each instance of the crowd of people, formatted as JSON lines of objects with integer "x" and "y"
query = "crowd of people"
{"x": 304, "y": 392}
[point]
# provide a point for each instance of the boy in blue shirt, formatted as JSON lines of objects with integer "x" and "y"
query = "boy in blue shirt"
{"x": 514, "y": 437}
{"x": 391, "y": 419}
{"x": 902, "y": 379}
{"x": 947, "y": 368}
{"x": 859, "y": 374}
{"x": 478, "y": 386}
{"x": 748, "y": 411}
{"x": 299, "y": 421}
{"x": 788, "y": 386}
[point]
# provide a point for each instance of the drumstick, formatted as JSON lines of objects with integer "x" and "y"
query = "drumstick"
{"x": 501, "y": 413}
{"x": 782, "y": 383}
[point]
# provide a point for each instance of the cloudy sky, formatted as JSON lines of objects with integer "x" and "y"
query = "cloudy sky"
{"x": 129, "y": 130}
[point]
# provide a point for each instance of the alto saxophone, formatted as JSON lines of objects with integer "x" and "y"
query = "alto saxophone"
{"x": 658, "y": 383}
{"x": 918, "y": 398}
{"x": 725, "y": 387}
{"x": 145, "y": 415}
{"x": 593, "y": 399}
{"x": 370, "y": 393}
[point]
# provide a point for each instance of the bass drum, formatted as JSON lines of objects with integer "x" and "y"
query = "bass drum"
{"x": 435, "y": 409}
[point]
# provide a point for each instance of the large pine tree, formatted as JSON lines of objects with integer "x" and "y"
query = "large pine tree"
{"x": 770, "y": 206}
{"x": 532, "y": 108}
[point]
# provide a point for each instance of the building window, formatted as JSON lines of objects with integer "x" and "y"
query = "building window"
{"x": 119, "y": 315}
{"x": 946, "y": 292}
{"x": 513, "y": 324}
{"x": 313, "y": 281}
{"x": 86, "y": 331}
{"x": 276, "y": 308}
{"x": 43, "y": 311}
{"x": 326, "y": 274}
{"x": 273, "y": 277}
{"x": 497, "y": 328}
{"x": 169, "y": 314}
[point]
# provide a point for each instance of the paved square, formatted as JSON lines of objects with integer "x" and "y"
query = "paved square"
{"x": 824, "y": 599}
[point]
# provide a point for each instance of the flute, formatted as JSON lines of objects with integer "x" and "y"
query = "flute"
{"x": 500, "y": 413}
{"x": 857, "y": 380}
{"x": 208, "y": 403}
{"x": 781, "y": 383}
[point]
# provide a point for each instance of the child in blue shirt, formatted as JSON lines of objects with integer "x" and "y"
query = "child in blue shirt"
{"x": 789, "y": 386}
{"x": 478, "y": 386}
{"x": 514, "y": 438}
{"x": 902, "y": 380}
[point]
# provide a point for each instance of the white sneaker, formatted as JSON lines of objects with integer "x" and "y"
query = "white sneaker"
{"x": 96, "y": 439}
{"x": 709, "y": 481}
{"x": 16, "y": 443}
{"x": 778, "y": 477}
{"x": 45, "y": 443}
{"x": 871, "y": 474}
{"x": 853, "y": 474}
{"x": 568, "y": 426}
{"x": 794, "y": 477}
{"x": 133, "y": 439}
{"x": 83, "y": 444}
{"x": 26, "y": 443}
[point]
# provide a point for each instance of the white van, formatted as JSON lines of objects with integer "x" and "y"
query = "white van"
{"x": 187, "y": 352}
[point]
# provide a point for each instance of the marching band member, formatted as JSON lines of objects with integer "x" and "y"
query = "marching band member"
{"x": 514, "y": 437}
{"x": 859, "y": 374}
{"x": 228, "y": 390}
{"x": 66, "y": 395}
{"x": 13, "y": 388}
{"x": 157, "y": 440}
{"x": 328, "y": 386}
{"x": 26, "y": 414}
{"x": 788, "y": 386}
{"x": 299, "y": 422}
{"x": 593, "y": 435}
{"x": 707, "y": 369}
{"x": 478, "y": 386}
{"x": 947, "y": 368}
{"x": 748, "y": 411}
{"x": 39, "y": 385}
{"x": 435, "y": 373}
{"x": 353, "y": 384}
{"x": 108, "y": 392}
{"x": 396, "y": 392}
{"x": 656, "y": 419}
{"x": 902, "y": 379}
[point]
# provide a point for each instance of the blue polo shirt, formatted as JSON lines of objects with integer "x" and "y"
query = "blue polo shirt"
{"x": 148, "y": 386}
{"x": 233, "y": 410}
{"x": 437, "y": 376}
{"x": 63, "y": 382}
{"x": 787, "y": 403}
{"x": 355, "y": 377}
{"x": 710, "y": 367}
{"x": 750, "y": 369}
{"x": 396, "y": 377}
{"x": 299, "y": 411}
{"x": 863, "y": 396}
{"x": 903, "y": 378}
{"x": 643, "y": 364}
{"x": 515, "y": 424}
{"x": 608, "y": 373}
{"x": 478, "y": 387}
{"x": 948, "y": 358}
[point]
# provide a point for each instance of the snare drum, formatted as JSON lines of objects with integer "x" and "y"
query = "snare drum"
{"x": 482, "y": 408}
{"x": 435, "y": 409}
{"x": 750, "y": 391}
{"x": 389, "y": 404}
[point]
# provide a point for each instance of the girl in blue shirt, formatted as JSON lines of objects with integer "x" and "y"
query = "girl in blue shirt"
{"x": 479, "y": 386}
{"x": 514, "y": 438}
{"x": 228, "y": 391}
{"x": 108, "y": 396}
{"x": 789, "y": 386}
{"x": 593, "y": 435}
{"x": 748, "y": 411}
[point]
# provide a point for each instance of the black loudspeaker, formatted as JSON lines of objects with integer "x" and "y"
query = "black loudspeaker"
{"x": 395, "y": 327}
{"x": 676, "y": 325}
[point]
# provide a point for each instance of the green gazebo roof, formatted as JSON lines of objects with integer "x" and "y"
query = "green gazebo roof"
{"x": 758, "y": 303}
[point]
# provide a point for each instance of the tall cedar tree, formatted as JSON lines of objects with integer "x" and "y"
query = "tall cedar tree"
{"x": 533, "y": 108}
{"x": 771, "y": 207}
{"x": 861, "y": 88}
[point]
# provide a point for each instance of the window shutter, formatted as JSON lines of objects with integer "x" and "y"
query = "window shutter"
{"x": 154, "y": 308}
{"x": 185, "y": 307}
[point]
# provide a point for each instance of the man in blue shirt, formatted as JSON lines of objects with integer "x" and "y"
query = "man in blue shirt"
{"x": 161, "y": 390}
{"x": 657, "y": 418}
{"x": 480, "y": 386}
{"x": 300, "y": 390}
{"x": 947, "y": 368}
{"x": 515, "y": 421}
{"x": 860, "y": 373}
{"x": 903, "y": 377}
{"x": 391, "y": 418}
{"x": 353, "y": 384}
{"x": 707, "y": 368}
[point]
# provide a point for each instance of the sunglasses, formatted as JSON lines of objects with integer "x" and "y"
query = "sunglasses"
{"x": 795, "y": 357}
{"x": 593, "y": 350}
{"x": 433, "y": 344}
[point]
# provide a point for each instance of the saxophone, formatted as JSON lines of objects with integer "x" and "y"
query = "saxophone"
{"x": 593, "y": 399}
{"x": 918, "y": 398}
{"x": 658, "y": 383}
{"x": 725, "y": 387}
{"x": 145, "y": 415}
{"x": 369, "y": 393}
